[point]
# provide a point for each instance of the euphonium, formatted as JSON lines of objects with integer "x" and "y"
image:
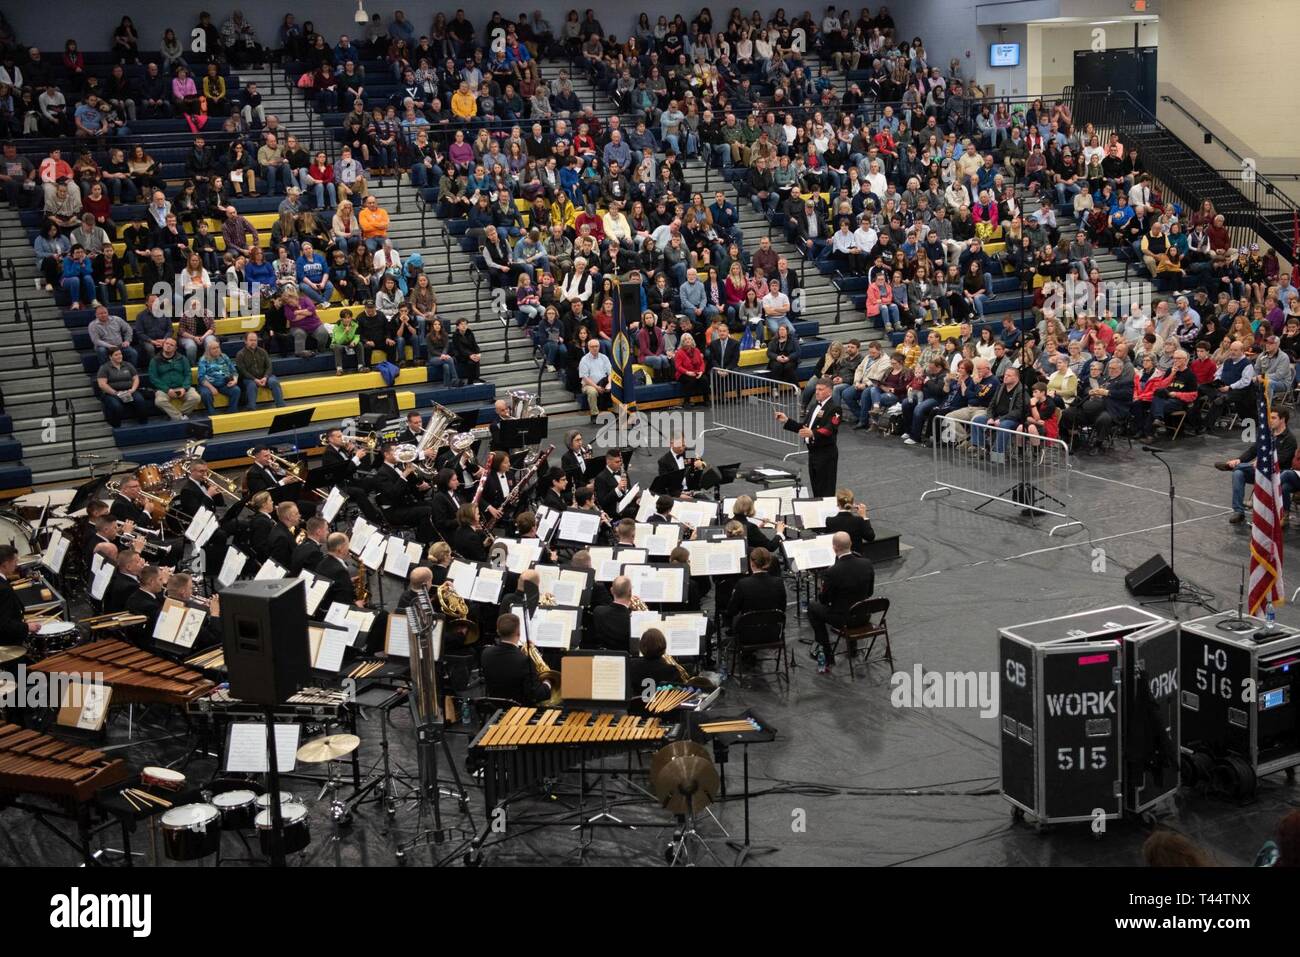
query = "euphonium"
{"x": 545, "y": 673}
{"x": 451, "y": 604}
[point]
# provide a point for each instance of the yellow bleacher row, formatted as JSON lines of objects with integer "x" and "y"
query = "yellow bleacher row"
{"x": 262, "y": 222}
{"x": 261, "y": 418}
{"x": 308, "y": 387}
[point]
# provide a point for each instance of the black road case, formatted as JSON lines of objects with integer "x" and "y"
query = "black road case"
{"x": 1239, "y": 704}
{"x": 1088, "y": 722}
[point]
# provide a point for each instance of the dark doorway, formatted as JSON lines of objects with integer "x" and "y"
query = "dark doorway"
{"x": 1127, "y": 69}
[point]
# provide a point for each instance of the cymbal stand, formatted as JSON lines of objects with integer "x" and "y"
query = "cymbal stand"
{"x": 686, "y": 838}
{"x": 430, "y": 739}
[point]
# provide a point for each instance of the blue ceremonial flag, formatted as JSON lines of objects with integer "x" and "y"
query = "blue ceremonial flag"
{"x": 622, "y": 380}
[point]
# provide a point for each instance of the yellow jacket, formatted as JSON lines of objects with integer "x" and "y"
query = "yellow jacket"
{"x": 565, "y": 215}
{"x": 464, "y": 105}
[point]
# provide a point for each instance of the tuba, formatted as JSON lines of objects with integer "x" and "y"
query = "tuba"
{"x": 452, "y": 605}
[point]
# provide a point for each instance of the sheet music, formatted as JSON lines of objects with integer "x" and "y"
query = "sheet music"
{"x": 197, "y": 524}
{"x": 269, "y": 571}
{"x": 336, "y": 613}
{"x": 643, "y": 621}
{"x": 329, "y": 655}
{"x": 645, "y": 508}
{"x": 231, "y": 566}
{"x": 55, "y": 552}
{"x": 609, "y": 678}
{"x": 521, "y": 553}
{"x": 316, "y": 589}
{"x": 655, "y": 583}
{"x": 487, "y": 586}
{"x": 461, "y": 574}
{"x": 609, "y": 562}
{"x": 553, "y": 627}
{"x": 100, "y": 584}
{"x": 808, "y": 553}
{"x": 191, "y": 625}
{"x": 694, "y": 514}
{"x": 659, "y": 539}
{"x": 399, "y": 636}
{"x": 330, "y": 507}
{"x": 815, "y": 512}
{"x": 683, "y": 633}
{"x": 578, "y": 526}
{"x": 372, "y": 556}
{"x": 246, "y": 751}
{"x": 547, "y": 519}
{"x": 629, "y": 498}
{"x": 96, "y": 563}
{"x": 362, "y": 619}
{"x": 397, "y": 561}
{"x": 726, "y": 557}
{"x": 568, "y": 593}
{"x": 361, "y": 533}
{"x": 94, "y": 703}
{"x": 169, "y": 620}
{"x": 208, "y": 531}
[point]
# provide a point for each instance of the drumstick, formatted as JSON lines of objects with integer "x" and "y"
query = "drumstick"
{"x": 126, "y": 796}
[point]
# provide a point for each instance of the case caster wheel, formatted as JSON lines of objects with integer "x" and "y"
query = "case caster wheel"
{"x": 463, "y": 804}
{"x": 1290, "y": 775}
{"x": 401, "y": 857}
{"x": 1018, "y": 815}
{"x": 473, "y": 859}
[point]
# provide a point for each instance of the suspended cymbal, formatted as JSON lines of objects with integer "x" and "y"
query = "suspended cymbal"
{"x": 686, "y": 784}
{"x": 674, "y": 750}
{"x": 10, "y": 653}
{"x": 331, "y": 747}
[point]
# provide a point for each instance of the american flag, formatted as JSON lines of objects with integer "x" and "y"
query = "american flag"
{"x": 1265, "y": 525}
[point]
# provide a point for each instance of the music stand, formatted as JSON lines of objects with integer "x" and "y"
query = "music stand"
{"x": 763, "y": 734}
{"x": 85, "y": 493}
{"x": 716, "y": 476}
{"x": 522, "y": 433}
{"x": 669, "y": 483}
{"x": 290, "y": 421}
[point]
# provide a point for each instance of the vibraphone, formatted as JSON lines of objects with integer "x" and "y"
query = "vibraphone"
{"x": 313, "y": 704}
{"x": 136, "y": 677}
{"x": 66, "y": 776}
{"x": 521, "y": 747}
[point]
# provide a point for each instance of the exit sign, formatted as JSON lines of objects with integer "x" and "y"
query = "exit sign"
{"x": 1139, "y": 6}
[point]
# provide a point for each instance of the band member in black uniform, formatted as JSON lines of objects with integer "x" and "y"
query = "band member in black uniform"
{"x": 697, "y": 586}
{"x": 818, "y": 428}
{"x": 413, "y": 430}
{"x": 852, "y": 518}
{"x": 438, "y": 562}
{"x": 612, "y": 624}
{"x": 108, "y": 531}
{"x": 128, "y": 505}
{"x": 13, "y": 630}
{"x": 310, "y": 552}
{"x": 584, "y": 500}
{"x": 742, "y": 511}
{"x": 676, "y": 460}
{"x": 556, "y": 486}
{"x": 262, "y": 474}
{"x": 651, "y": 665}
{"x": 180, "y": 587}
{"x": 420, "y": 579}
{"x": 499, "y": 484}
{"x": 280, "y": 540}
{"x": 467, "y": 540}
{"x": 335, "y": 569}
{"x": 342, "y": 459}
{"x": 147, "y": 600}
{"x": 445, "y": 502}
{"x": 400, "y": 494}
{"x": 850, "y": 580}
{"x": 611, "y": 485}
{"x": 760, "y": 590}
{"x": 574, "y": 461}
{"x": 259, "y": 527}
{"x": 498, "y": 441}
{"x": 125, "y": 580}
{"x": 195, "y": 493}
{"x": 663, "y": 514}
{"x": 508, "y": 672}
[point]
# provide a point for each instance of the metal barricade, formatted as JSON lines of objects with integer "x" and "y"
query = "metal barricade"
{"x": 747, "y": 404}
{"x": 1031, "y": 472}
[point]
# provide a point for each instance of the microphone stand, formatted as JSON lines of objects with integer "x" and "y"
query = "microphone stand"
{"x": 1183, "y": 592}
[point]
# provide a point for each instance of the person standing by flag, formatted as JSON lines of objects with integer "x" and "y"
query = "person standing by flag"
{"x": 626, "y": 302}
{"x": 1261, "y": 464}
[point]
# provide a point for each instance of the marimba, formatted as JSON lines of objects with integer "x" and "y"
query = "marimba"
{"x": 135, "y": 676}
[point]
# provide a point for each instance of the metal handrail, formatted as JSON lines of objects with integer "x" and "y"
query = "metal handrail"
{"x": 1202, "y": 127}
{"x": 446, "y": 245}
{"x": 49, "y": 365}
{"x": 72, "y": 429}
{"x": 31, "y": 338}
{"x": 13, "y": 283}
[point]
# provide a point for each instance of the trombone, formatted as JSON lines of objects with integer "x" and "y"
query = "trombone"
{"x": 282, "y": 465}
{"x": 223, "y": 485}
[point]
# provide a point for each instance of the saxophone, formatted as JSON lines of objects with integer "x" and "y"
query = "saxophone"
{"x": 361, "y": 584}
{"x": 452, "y": 605}
{"x": 544, "y": 671}
{"x": 639, "y": 605}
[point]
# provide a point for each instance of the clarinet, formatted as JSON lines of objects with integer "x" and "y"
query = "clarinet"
{"x": 515, "y": 492}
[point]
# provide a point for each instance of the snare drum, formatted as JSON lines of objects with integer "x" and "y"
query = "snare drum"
{"x": 174, "y": 470}
{"x": 164, "y": 778}
{"x": 296, "y": 835}
{"x": 236, "y": 809}
{"x": 264, "y": 800}
{"x": 191, "y": 832}
{"x": 151, "y": 479}
{"x": 54, "y": 636}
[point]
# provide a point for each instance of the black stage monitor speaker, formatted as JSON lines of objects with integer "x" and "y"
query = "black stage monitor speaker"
{"x": 1153, "y": 578}
{"x": 265, "y": 639}
{"x": 379, "y": 400}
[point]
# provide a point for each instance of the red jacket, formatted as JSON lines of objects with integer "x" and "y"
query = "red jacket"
{"x": 1145, "y": 393}
{"x": 875, "y": 297}
{"x": 688, "y": 361}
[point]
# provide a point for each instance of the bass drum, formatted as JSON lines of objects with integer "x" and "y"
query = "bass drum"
{"x": 191, "y": 832}
{"x": 296, "y": 835}
{"x": 15, "y": 531}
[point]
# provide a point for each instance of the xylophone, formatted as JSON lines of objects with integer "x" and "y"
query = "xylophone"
{"x": 318, "y": 704}
{"x": 135, "y": 676}
{"x": 36, "y": 763}
{"x": 521, "y": 747}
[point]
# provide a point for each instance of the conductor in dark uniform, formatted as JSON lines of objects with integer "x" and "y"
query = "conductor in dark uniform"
{"x": 508, "y": 672}
{"x": 818, "y": 427}
{"x": 849, "y": 580}
{"x": 852, "y": 518}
